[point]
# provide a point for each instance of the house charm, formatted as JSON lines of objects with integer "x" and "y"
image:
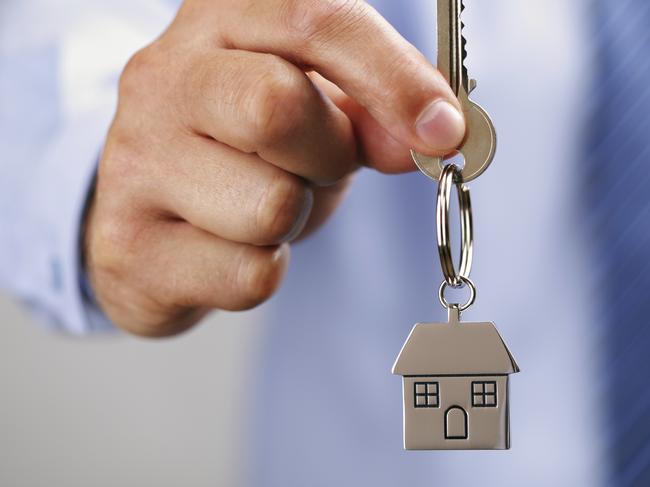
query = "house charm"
{"x": 455, "y": 384}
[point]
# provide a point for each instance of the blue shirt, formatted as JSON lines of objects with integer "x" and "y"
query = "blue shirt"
{"x": 325, "y": 410}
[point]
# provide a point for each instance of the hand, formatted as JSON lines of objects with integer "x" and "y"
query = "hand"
{"x": 236, "y": 133}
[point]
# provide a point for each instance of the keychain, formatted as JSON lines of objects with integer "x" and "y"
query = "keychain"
{"x": 455, "y": 375}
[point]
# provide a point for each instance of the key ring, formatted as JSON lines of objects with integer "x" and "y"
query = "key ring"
{"x": 451, "y": 176}
{"x": 472, "y": 295}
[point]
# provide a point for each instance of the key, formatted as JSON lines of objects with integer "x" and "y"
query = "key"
{"x": 479, "y": 145}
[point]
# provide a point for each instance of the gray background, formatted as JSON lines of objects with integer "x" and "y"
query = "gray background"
{"x": 121, "y": 411}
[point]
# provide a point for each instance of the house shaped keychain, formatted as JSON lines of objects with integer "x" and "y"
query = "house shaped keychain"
{"x": 455, "y": 375}
{"x": 455, "y": 384}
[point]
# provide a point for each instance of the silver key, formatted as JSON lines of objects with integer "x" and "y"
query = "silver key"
{"x": 480, "y": 143}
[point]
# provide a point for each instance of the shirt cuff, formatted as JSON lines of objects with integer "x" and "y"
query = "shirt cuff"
{"x": 57, "y": 291}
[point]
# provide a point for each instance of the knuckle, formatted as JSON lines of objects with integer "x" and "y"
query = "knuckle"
{"x": 279, "y": 105}
{"x": 122, "y": 161}
{"x": 259, "y": 274}
{"x": 314, "y": 21}
{"x": 281, "y": 209}
{"x": 136, "y": 68}
{"x": 114, "y": 235}
{"x": 111, "y": 244}
{"x": 139, "y": 74}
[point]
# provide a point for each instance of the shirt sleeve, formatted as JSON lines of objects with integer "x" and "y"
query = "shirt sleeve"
{"x": 59, "y": 66}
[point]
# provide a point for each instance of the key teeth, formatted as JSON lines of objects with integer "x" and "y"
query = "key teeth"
{"x": 463, "y": 44}
{"x": 464, "y": 56}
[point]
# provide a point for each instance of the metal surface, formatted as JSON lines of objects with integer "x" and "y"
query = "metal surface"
{"x": 450, "y": 177}
{"x": 455, "y": 384}
{"x": 465, "y": 282}
{"x": 480, "y": 143}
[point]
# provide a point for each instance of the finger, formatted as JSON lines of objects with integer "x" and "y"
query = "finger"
{"x": 185, "y": 268}
{"x": 262, "y": 104}
{"x": 348, "y": 42}
{"x": 212, "y": 272}
{"x": 326, "y": 201}
{"x": 378, "y": 148}
{"x": 233, "y": 195}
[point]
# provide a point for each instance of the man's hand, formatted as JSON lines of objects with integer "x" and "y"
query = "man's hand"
{"x": 236, "y": 133}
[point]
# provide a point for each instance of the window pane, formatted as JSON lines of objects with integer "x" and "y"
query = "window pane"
{"x": 426, "y": 395}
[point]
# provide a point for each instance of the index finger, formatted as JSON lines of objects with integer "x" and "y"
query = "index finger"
{"x": 352, "y": 45}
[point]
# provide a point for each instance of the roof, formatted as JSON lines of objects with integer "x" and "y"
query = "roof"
{"x": 454, "y": 349}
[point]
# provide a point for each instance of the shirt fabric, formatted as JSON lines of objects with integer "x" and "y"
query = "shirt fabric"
{"x": 325, "y": 409}
{"x": 618, "y": 205}
{"x": 59, "y": 66}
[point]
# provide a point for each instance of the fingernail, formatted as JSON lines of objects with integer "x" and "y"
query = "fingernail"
{"x": 441, "y": 126}
{"x": 302, "y": 219}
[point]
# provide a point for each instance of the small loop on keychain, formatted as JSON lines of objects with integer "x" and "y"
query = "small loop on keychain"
{"x": 450, "y": 177}
{"x": 464, "y": 282}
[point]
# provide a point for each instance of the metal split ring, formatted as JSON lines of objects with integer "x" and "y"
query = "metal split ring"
{"x": 472, "y": 295}
{"x": 451, "y": 176}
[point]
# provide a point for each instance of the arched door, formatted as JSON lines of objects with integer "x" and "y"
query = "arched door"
{"x": 456, "y": 423}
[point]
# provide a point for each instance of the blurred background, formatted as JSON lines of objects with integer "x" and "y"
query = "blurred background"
{"x": 118, "y": 411}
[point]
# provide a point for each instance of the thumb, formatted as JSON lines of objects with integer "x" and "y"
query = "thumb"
{"x": 379, "y": 149}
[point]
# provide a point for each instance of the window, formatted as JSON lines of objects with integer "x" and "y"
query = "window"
{"x": 484, "y": 394}
{"x": 427, "y": 395}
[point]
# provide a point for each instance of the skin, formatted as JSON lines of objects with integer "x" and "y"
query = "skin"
{"x": 237, "y": 133}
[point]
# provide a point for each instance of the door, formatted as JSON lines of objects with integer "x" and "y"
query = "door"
{"x": 456, "y": 423}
